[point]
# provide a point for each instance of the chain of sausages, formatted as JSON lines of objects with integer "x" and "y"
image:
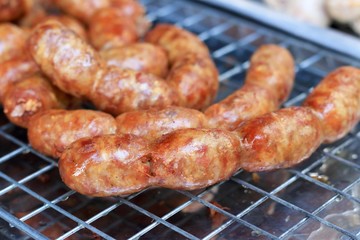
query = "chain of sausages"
{"x": 166, "y": 146}
{"x": 122, "y": 164}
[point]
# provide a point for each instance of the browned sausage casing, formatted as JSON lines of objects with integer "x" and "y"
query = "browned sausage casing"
{"x": 109, "y": 28}
{"x": 68, "y": 22}
{"x": 152, "y": 124}
{"x": 194, "y": 158}
{"x": 51, "y": 131}
{"x": 337, "y": 99}
{"x": 134, "y": 10}
{"x": 144, "y": 57}
{"x": 248, "y": 102}
{"x": 66, "y": 59}
{"x": 15, "y": 70}
{"x": 81, "y": 9}
{"x": 108, "y": 165}
{"x": 279, "y": 139}
{"x": 12, "y": 41}
{"x": 272, "y": 67}
{"x": 25, "y": 98}
{"x": 176, "y": 41}
{"x": 126, "y": 90}
{"x": 196, "y": 79}
{"x": 12, "y": 9}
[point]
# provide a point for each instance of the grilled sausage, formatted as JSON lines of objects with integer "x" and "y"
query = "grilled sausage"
{"x": 279, "y": 139}
{"x": 83, "y": 10}
{"x": 77, "y": 69}
{"x": 142, "y": 57}
{"x": 68, "y": 22}
{"x": 337, "y": 99}
{"x": 268, "y": 83}
{"x": 113, "y": 165}
{"x": 176, "y": 41}
{"x": 108, "y": 165}
{"x": 126, "y": 90}
{"x": 109, "y": 28}
{"x": 12, "y": 41}
{"x": 194, "y": 158}
{"x": 196, "y": 79}
{"x": 152, "y": 124}
{"x": 12, "y": 9}
{"x": 134, "y": 10}
{"x": 272, "y": 67}
{"x": 51, "y": 131}
{"x": 248, "y": 102}
{"x": 25, "y": 98}
{"x": 71, "y": 64}
{"x": 15, "y": 70}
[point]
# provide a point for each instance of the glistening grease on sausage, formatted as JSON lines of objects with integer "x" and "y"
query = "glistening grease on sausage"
{"x": 337, "y": 100}
{"x": 195, "y": 158}
{"x": 31, "y": 95}
{"x": 51, "y": 131}
{"x": 268, "y": 83}
{"x": 76, "y": 68}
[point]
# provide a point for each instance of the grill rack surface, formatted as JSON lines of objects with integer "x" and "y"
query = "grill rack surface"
{"x": 318, "y": 199}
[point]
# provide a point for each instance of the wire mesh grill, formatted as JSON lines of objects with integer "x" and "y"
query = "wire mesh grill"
{"x": 318, "y": 199}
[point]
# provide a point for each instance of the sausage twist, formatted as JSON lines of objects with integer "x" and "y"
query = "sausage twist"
{"x": 78, "y": 69}
{"x": 196, "y": 158}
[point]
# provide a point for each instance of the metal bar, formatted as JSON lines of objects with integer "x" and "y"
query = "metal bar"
{"x": 55, "y": 207}
{"x": 14, "y": 221}
{"x": 156, "y": 218}
{"x": 329, "y": 38}
{"x": 316, "y": 211}
{"x": 294, "y": 207}
{"x": 233, "y": 217}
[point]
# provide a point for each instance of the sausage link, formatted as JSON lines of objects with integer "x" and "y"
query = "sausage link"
{"x": 248, "y": 102}
{"x": 194, "y": 158}
{"x": 126, "y": 90}
{"x": 272, "y": 67}
{"x": 266, "y": 86}
{"x": 71, "y": 64}
{"x": 176, "y": 41}
{"x": 142, "y": 57}
{"x": 12, "y": 41}
{"x": 109, "y": 28}
{"x": 108, "y": 165}
{"x": 134, "y": 10}
{"x": 52, "y": 131}
{"x": 25, "y": 98}
{"x": 279, "y": 139}
{"x": 337, "y": 99}
{"x": 83, "y": 10}
{"x": 196, "y": 79}
{"x": 77, "y": 69}
{"x": 152, "y": 124}
{"x": 15, "y": 70}
{"x": 12, "y": 9}
{"x": 113, "y": 165}
{"x": 69, "y": 22}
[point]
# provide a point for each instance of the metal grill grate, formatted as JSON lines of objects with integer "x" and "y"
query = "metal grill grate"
{"x": 318, "y": 199}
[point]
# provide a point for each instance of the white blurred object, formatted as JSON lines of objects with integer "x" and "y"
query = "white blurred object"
{"x": 309, "y": 11}
{"x": 343, "y": 11}
{"x": 355, "y": 25}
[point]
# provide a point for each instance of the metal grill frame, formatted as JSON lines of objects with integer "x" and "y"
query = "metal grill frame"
{"x": 211, "y": 25}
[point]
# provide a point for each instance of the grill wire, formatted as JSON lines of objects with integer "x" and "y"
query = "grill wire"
{"x": 318, "y": 199}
